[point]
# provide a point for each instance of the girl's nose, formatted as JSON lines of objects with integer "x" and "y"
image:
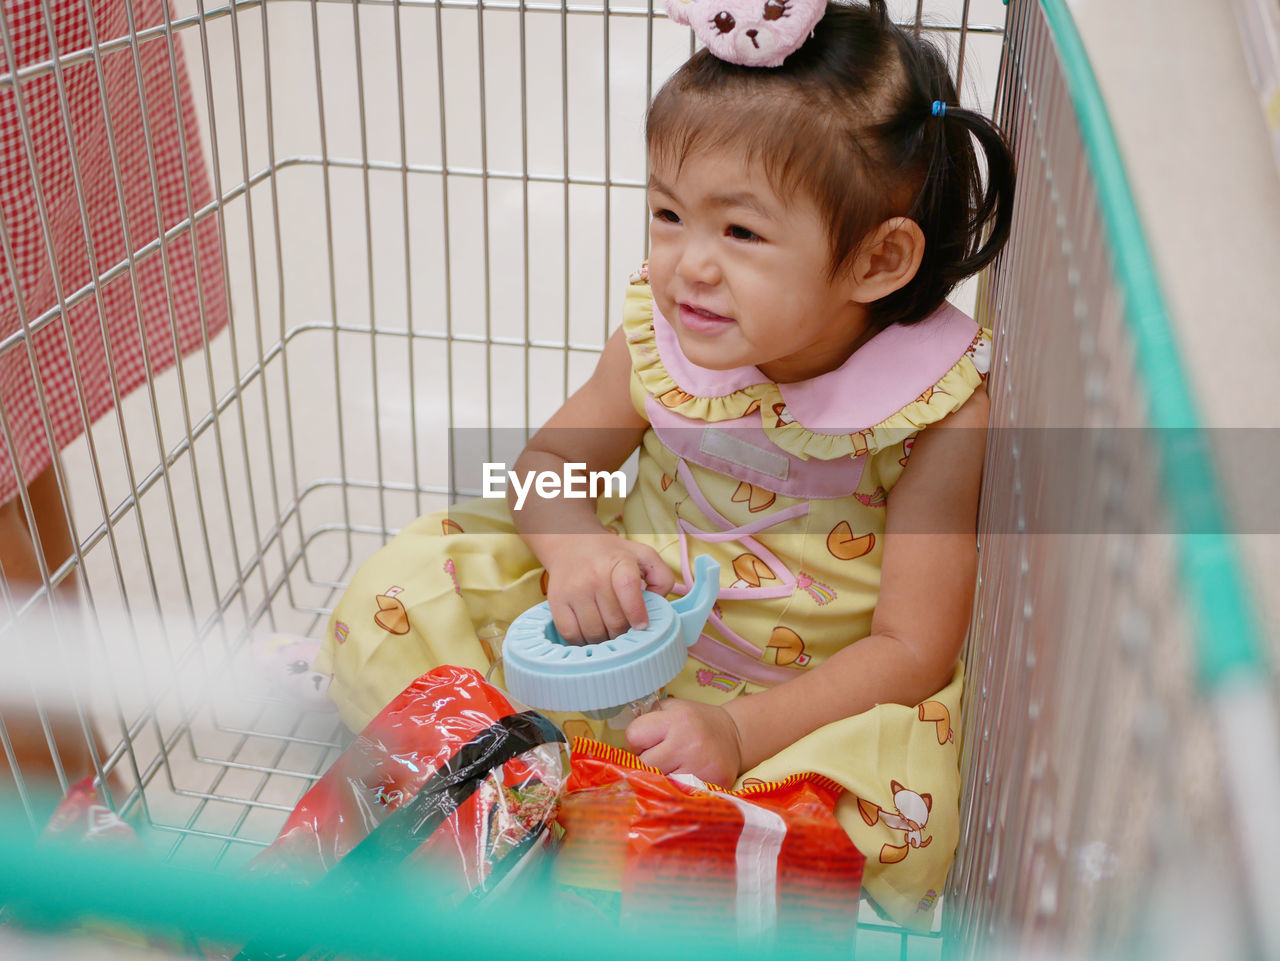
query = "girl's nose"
{"x": 698, "y": 264}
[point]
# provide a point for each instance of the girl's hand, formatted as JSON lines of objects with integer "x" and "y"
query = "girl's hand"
{"x": 686, "y": 737}
{"x": 595, "y": 583}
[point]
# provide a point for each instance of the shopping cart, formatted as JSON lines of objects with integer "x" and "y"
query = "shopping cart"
{"x": 427, "y": 210}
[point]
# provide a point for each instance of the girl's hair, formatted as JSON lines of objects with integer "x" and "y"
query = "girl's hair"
{"x": 848, "y": 119}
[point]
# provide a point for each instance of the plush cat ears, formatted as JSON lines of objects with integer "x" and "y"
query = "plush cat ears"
{"x": 753, "y": 33}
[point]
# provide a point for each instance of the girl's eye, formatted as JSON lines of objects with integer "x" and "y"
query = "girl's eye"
{"x": 742, "y": 233}
{"x": 668, "y": 215}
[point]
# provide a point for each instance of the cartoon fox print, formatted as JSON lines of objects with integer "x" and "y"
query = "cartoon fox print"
{"x": 910, "y": 814}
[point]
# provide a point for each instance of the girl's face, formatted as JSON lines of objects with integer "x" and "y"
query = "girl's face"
{"x": 741, "y": 272}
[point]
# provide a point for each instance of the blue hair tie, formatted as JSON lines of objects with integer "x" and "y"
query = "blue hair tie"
{"x": 939, "y": 108}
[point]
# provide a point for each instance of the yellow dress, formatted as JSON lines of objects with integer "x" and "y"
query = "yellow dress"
{"x": 786, "y": 486}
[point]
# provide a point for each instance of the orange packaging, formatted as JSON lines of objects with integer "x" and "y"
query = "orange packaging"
{"x": 765, "y": 862}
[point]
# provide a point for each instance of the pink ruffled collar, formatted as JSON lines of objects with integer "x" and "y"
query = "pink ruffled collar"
{"x": 880, "y": 378}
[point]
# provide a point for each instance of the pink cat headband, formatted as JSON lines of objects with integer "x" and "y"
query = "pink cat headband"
{"x": 753, "y": 33}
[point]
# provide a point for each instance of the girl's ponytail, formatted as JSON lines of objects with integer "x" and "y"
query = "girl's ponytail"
{"x": 931, "y": 140}
{"x": 994, "y": 212}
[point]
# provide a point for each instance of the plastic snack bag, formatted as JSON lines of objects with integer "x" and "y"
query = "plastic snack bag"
{"x": 83, "y": 823}
{"x": 450, "y": 777}
{"x": 83, "y": 818}
{"x": 765, "y": 863}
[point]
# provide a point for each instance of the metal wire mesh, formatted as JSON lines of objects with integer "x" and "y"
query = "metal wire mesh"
{"x": 1091, "y": 762}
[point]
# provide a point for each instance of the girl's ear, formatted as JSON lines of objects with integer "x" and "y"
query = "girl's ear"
{"x": 888, "y": 259}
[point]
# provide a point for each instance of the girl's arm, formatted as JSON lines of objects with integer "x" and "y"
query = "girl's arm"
{"x": 594, "y": 577}
{"x": 926, "y": 592}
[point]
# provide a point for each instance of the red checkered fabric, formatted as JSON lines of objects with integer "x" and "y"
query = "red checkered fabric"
{"x": 137, "y": 318}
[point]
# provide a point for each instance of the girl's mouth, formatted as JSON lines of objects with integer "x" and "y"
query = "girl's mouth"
{"x": 702, "y": 321}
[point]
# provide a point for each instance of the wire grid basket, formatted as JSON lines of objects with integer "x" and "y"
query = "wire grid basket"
{"x": 428, "y": 211}
{"x": 1083, "y": 683}
{"x": 1112, "y": 625}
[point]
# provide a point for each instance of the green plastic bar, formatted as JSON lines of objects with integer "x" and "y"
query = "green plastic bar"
{"x": 58, "y": 888}
{"x": 1226, "y": 633}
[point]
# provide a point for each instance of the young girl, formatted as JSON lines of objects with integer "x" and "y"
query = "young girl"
{"x": 809, "y": 410}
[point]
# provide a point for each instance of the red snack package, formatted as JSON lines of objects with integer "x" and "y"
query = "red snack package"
{"x": 449, "y": 776}
{"x": 81, "y": 817}
{"x": 766, "y": 862}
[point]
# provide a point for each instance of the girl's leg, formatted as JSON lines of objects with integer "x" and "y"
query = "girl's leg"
{"x": 22, "y": 572}
{"x": 57, "y": 540}
{"x": 17, "y": 555}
